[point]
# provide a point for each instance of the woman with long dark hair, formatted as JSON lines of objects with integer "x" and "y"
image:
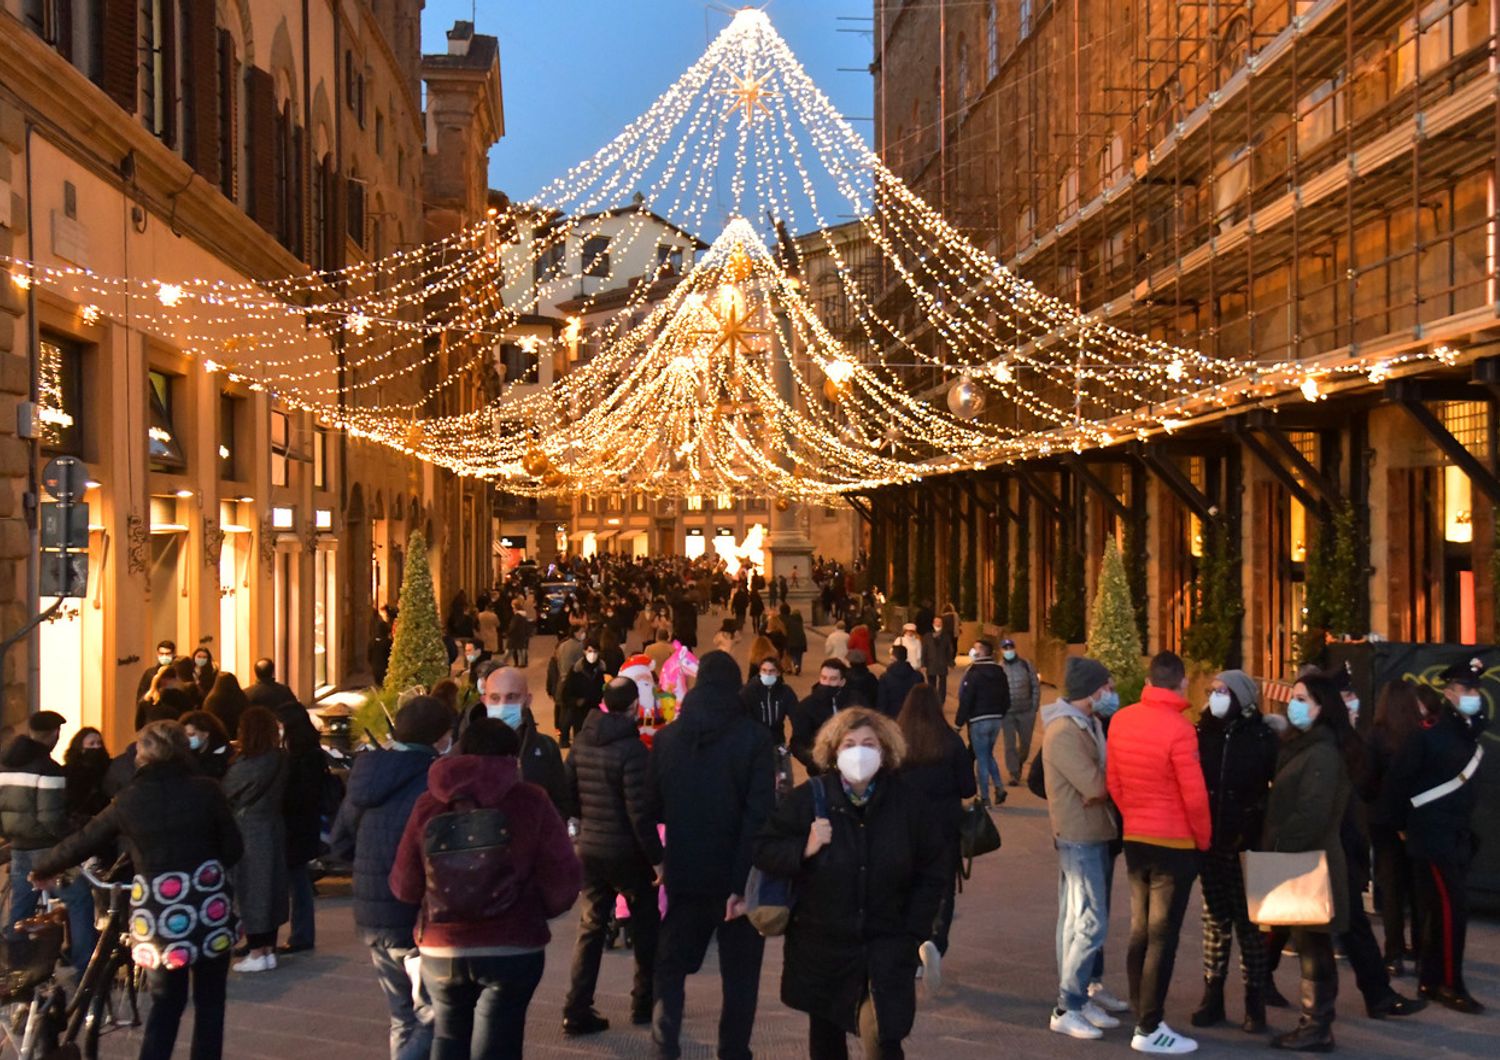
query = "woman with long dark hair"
{"x": 205, "y": 672}
{"x": 938, "y": 765}
{"x": 1398, "y": 716}
{"x": 255, "y": 785}
{"x": 227, "y": 701}
{"x": 85, "y": 763}
{"x": 208, "y": 742}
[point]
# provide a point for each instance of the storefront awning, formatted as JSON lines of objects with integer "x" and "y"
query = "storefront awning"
{"x": 605, "y": 535}
{"x": 632, "y": 535}
{"x": 579, "y": 535}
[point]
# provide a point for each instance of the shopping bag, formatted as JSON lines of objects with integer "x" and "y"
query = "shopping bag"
{"x": 769, "y": 899}
{"x": 1287, "y": 890}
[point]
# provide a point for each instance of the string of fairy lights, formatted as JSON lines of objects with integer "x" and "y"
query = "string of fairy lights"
{"x": 723, "y": 378}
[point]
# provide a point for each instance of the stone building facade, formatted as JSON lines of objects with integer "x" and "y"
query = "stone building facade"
{"x": 1310, "y": 183}
{"x": 234, "y": 141}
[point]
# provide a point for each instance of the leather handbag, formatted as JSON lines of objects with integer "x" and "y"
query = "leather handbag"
{"x": 1287, "y": 890}
{"x": 769, "y": 899}
{"x": 977, "y": 835}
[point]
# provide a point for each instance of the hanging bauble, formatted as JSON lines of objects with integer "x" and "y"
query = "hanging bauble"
{"x": 535, "y": 462}
{"x": 833, "y": 391}
{"x": 552, "y": 479}
{"x": 414, "y": 435}
{"x": 965, "y": 399}
{"x": 782, "y": 504}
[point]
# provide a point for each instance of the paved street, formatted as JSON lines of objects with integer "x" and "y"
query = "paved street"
{"x": 1000, "y": 981}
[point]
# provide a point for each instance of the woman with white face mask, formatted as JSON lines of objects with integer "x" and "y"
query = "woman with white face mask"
{"x": 1237, "y": 751}
{"x": 867, "y": 869}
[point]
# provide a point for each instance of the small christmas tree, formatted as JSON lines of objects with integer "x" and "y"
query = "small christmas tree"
{"x": 418, "y": 656}
{"x": 1113, "y": 637}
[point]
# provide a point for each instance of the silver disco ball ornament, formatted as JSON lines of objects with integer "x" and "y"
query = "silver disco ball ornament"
{"x": 965, "y": 398}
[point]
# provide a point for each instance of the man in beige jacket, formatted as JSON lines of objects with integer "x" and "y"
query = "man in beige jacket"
{"x": 1083, "y": 824}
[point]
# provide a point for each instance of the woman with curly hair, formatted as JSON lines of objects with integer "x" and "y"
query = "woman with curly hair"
{"x": 859, "y": 830}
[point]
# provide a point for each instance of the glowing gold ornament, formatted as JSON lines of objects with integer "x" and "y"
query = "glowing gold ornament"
{"x": 535, "y": 462}
{"x": 748, "y": 95}
{"x": 966, "y": 400}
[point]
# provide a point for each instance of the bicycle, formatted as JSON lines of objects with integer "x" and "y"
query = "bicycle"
{"x": 43, "y": 1022}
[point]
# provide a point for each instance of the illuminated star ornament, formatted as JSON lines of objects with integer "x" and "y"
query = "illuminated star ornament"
{"x": 749, "y": 95}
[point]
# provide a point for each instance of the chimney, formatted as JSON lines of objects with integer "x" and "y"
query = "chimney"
{"x": 459, "y": 38}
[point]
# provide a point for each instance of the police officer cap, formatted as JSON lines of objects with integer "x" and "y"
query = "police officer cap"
{"x": 1469, "y": 672}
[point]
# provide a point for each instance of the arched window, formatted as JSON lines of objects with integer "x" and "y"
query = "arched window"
{"x": 992, "y": 37}
{"x": 287, "y": 139}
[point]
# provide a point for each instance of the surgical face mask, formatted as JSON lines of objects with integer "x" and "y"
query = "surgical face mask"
{"x": 1219, "y": 704}
{"x": 200, "y": 661}
{"x": 1299, "y": 713}
{"x": 196, "y": 742}
{"x": 974, "y": 653}
{"x": 163, "y": 659}
{"x": 591, "y": 656}
{"x": 858, "y": 764}
{"x": 471, "y": 655}
{"x": 937, "y": 627}
{"x": 1353, "y": 704}
{"x": 768, "y": 679}
{"x": 510, "y": 713}
{"x": 1109, "y": 702}
{"x": 1470, "y": 703}
{"x": 1010, "y": 654}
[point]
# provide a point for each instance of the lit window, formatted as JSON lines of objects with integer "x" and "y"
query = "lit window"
{"x": 283, "y": 518}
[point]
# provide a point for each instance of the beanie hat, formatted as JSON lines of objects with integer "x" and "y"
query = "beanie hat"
{"x": 1246, "y": 694}
{"x": 1082, "y": 677}
{"x": 719, "y": 668}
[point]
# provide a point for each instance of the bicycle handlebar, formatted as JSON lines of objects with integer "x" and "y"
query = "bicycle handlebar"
{"x": 102, "y": 885}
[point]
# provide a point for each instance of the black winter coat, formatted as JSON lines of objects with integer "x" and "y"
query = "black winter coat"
{"x": 306, "y": 770}
{"x": 865, "y": 902}
{"x": 772, "y": 706}
{"x": 712, "y": 783}
{"x": 541, "y": 759}
{"x": 169, "y": 819}
{"x": 1441, "y": 830}
{"x": 899, "y": 678}
{"x": 607, "y": 780}
{"x": 1238, "y": 756}
{"x": 1307, "y": 806}
{"x": 947, "y": 782}
{"x": 861, "y": 687}
{"x": 268, "y": 694}
{"x": 583, "y": 687}
{"x": 983, "y": 693}
{"x": 821, "y": 704}
{"x": 383, "y": 788}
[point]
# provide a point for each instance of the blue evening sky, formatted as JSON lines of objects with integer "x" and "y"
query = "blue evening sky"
{"x": 574, "y": 72}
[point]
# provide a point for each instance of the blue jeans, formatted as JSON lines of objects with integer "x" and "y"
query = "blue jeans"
{"x": 1082, "y": 917}
{"x": 479, "y": 1004}
{"x": 77, "y": 896}
{"x": 411, "y": 1028}
{"x": 982, "y": 737}
{"x": 304, "y": 931}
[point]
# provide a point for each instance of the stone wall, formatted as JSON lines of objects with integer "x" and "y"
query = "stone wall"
{"x": 15, "y": 453}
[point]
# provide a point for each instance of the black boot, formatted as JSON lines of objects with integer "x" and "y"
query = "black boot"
{"x": 1210, "y": 1010}
{"x": 1314, "y": 1031}
{"x": 1255, "y": 1010}
{"x": 1273, "y": 997}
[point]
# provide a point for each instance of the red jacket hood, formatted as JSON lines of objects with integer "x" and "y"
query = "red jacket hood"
{"x": 484, "y": 780}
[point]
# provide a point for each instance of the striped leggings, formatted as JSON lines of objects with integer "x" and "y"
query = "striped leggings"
{"x": 1224, "y": 916}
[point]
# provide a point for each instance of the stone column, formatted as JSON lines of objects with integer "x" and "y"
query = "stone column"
{"x": 15, "y": 452}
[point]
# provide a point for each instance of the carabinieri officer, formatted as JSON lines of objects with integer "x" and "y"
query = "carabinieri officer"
{"x": 1431, "y": 799}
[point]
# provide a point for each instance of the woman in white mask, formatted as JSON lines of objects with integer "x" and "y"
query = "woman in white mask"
{"x": 868, "y": 865}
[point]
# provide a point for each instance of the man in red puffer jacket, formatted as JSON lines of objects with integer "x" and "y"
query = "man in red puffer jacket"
{"x": 1156, "y": 782}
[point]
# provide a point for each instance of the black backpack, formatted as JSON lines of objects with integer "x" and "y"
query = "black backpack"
{"x": 470, "y": 868}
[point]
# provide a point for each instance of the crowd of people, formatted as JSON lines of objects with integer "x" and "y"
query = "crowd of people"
{"x": 217, "y": 804}
{"x": 679, "y": 787}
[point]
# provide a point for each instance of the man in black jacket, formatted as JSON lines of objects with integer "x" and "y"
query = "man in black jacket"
{"x": 826, "y": 699}
{"x": 861, "y": 687}
{"x": 769, "y": 700}
{"x": 900, "y": 677}
{"x": 983, "y": 702}
{"x": 712, "y": 783}
{"x": 506, "y": 696}
{"x": 620, "y": 850}
{"x": 265, "y": 690}
{"x": 33, "y": 817}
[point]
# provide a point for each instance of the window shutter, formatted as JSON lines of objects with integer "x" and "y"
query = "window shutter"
{"x": 171, "y": 88}
{"x": 201, "y": 77}
{"x": 333, "y": 218}
{"x": 354, "y": 192}
{"x": 299, "y": 192}
{"x": 260, "y": 146}
{"x": 120, "y": 51}
{"x": 229, "y": 116}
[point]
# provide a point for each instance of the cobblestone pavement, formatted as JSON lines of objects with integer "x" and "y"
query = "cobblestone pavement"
{"x": 1000, "y": 980}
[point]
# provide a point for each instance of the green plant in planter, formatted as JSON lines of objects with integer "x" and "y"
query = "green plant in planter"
{"x": 1020, "y": 590}
{"x": 1065, "y": 620}
{"x": 1218, "y": 601}
{"x": 1336, "y": 594}
{"x": 1113, "y": 637}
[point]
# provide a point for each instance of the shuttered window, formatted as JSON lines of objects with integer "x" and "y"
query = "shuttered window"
{"x": 200, "y": 100}
{"x": 260, "y": 147}
{"x": 354, "y": 190}
{"x": 229, "y": 116}
{"x": 119, "y": 48}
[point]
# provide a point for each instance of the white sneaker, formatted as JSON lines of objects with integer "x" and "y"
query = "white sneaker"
{"x": 264, "y": 963}
{"x": 1099, "y": 994}
{"x": 1073, "y": 1025}
{"x": 932, "y": 964}
{"x": 1098, "y": 1017}
{"x": 1164, "y": 1041}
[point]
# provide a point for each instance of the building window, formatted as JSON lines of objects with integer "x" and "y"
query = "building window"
{"x": 518, "y": 364}
{"x": 694, "y": 503}
{"x": 60, "y": 396}
{"x": 549, "y": 261}
{"x": 356, "y": 219}
{"x": 163, "y": 443}
{"x": 320, "y": 458}
{"x": 668, "y": 260}
{"x": 231, "y": 84}
{"x": 596, "y": 256}
{"x": 724, "y": 502}
{"x": 590, "y": 505}
{"x": 73, "y": 28}
{"x": 638, "y": 502}
{"x": 1025, "y": 20}
{"x": 380, "y": 134}
{"x": 992, "y": 38}
{"x": 161, "y": 70}
{"x": 230, "y": 414}
{"x": 281, "y": 460}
